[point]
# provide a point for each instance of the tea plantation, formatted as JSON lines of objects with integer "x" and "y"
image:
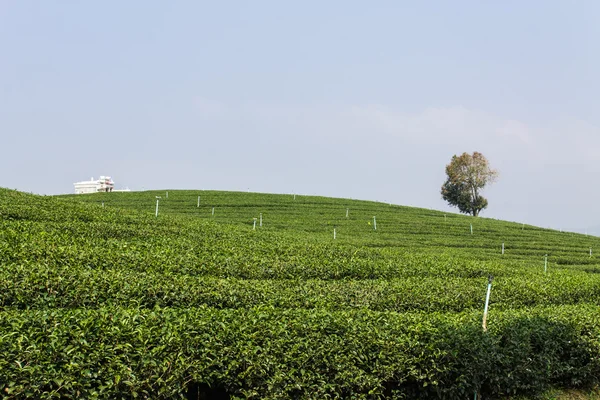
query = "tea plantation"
{"x": 100, "y": 298}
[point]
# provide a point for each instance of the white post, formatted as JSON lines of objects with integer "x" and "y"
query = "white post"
{"x": 254, "y": 227}
{"x": 260, "y": 224}
{"x": 487, "y": 303}
{"x": 213, "y": 211}
{"x": 294, "y": 196}
{"x": 546, "y": 263}
{"x": 156, "y": 213}
{"x": 167, "y": 195}
{"x": 198, "y": 202}
{"x": 346, "y": 213}
{"x": 523, "y": 228}
{"x": 502, "y": 248}
{"x": 471, "y": 229}
{"x": 374, "y": 223}
{"x": 102, "y": 204}
{"x": 334, "y": 233}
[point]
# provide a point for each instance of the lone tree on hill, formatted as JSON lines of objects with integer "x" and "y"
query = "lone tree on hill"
{"x": 467, "y": 175}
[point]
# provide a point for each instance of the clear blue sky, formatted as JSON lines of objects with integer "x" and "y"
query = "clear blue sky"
{"x": 345, "y": 98}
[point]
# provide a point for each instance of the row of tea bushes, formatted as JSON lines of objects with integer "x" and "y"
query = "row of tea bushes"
{"x": 271, "y": 354}
{"x": 29, "y": 286}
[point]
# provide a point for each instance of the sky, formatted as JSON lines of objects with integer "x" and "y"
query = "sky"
{"x": 365, "y": 100}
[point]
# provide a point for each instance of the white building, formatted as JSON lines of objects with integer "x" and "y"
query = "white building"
{"x": 103, "y": 184}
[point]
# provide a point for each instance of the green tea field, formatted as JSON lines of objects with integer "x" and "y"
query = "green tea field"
{"x": 245, "y": 295}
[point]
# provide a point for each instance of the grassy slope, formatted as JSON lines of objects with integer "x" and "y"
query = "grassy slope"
{"x": 62, "y": 254}
{"x": 397, "y": 226}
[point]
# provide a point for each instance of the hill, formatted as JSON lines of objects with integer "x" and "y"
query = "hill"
{"x": 101, "y": 298}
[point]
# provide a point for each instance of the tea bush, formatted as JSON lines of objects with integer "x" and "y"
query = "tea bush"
{"x": 113, "y": 302}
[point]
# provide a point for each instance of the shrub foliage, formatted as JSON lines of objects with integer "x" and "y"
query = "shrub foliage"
{"x": 112, "y": 302}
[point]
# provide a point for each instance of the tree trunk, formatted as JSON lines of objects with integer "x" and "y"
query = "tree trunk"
{"x": 473, "y": 200}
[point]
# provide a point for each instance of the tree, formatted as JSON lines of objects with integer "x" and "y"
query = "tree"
{"x": 467, "y": 175}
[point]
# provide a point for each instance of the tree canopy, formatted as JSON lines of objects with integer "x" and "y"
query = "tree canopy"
{"x": 466, "y": 176}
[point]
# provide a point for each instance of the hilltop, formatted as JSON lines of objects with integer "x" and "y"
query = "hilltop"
{"x": 101, "y": 297}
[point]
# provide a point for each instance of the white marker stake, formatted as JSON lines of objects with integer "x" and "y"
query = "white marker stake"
{"x": 102, "y": 204}
{"x": 213, "y": 211}
{"x": 546, "y": 263}
{"x": 156, "y": 213}
{"x": 334, "y": 233}
{"x": 471, "y": 229}
{"x": 294, "y": 196}
{"x": 487, "y": 303}
{"x": 485, "y": 314}
{"x": 502, "y": 248}
{"x": 374, "y": 223}
{"x": 346, "y": 213}
{"x": 254, "y": 227}
{"x": 260, "y": 224}
{"x": 167, "y": 195}
{"x": 198, "y": 202}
